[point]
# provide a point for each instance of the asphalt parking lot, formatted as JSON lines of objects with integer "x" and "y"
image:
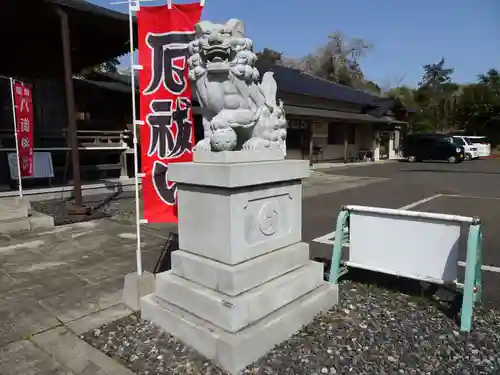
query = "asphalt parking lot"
{"x": 468, "y": 189}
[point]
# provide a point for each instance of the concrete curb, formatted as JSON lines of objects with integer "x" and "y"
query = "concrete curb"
{"x": 60, "y": 348}
{"x": 321, "y": 166}
{"x": 75, "y": 354}
{"x": 93, "y": 321}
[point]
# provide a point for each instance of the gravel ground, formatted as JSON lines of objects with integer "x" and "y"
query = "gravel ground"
{"x": 374, "y": 330}
{"x": 121, "y": 207}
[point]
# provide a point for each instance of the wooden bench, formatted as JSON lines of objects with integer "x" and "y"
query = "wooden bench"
{"x": 101, "y": 139}
{"x": 317, "y": 153}
{"x": 101, "y": 168}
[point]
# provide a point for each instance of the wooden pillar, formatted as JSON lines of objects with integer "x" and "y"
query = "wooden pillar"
{"x": 346, "y": 141}
{"x": 123, "y": 165}
{"x": 311, "y": 142}
{"x": 70, "y": 107}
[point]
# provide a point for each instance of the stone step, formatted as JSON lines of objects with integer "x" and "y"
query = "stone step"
{"x": 234, "y": 351}
{"x": 9, "y": 202}
{"x": 234, "y": 313}
{"x": 13, "y": 208}
{"x": 234, "y": 280}
{"x": 15, "y": 225}
{"x": 35, "y": 221}
{"x": 40, "y": 221}
{"x": 13, "y": 213}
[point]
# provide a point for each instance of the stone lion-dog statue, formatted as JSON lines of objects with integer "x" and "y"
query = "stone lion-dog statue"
{"x": 239, "y": 113}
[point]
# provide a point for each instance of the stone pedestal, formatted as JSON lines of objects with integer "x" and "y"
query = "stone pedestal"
{"x": 242, "y": 281}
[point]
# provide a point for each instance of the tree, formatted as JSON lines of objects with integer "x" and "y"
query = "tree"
{"x": 444, "y": 104}
{"x": 435, "y": 96}
{"x": 478, "y": 110}
{"x": 491, "y": 79}
{"x": 405, "y": 94}
{"x": 269, "y": 57}
{"x": 110, "y": 66}
{"x": 435, "y": 76}
{"x": 372, "y": 88}
{"x": 338, "y": 60}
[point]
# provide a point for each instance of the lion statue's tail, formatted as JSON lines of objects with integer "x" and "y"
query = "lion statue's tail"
{"x": 269, "y": 89}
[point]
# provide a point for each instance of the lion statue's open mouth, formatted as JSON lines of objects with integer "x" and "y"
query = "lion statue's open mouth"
{"x": 216, "y": 54}
{"x": 218, "y": 45}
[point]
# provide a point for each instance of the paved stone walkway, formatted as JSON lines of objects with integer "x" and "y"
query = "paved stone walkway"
{"x": 58, "y": 284}
{"x": 55, "y": 285}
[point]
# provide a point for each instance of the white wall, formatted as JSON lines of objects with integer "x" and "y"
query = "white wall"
{"x": 365, "y": 135}
{"x": 363, "y": 138}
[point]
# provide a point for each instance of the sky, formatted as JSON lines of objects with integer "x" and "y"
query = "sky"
{"x": 406, "y": 34}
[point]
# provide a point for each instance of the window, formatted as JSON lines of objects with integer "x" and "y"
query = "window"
{"x": 445, "y": 141}
{"x": 297, "y": 139}
{"x": 351, "y": 134}
{"x": 337, "y": 133}
{"x": 476, "y": 139}
{"x": 449, "y": 140}
{"x": 459, "y": 141}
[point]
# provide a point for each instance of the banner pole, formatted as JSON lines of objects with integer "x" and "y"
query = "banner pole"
{"x": 16, "y": 138}
{"x": 134, "y": 118}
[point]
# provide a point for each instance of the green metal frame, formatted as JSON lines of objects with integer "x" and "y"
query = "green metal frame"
{"x": 335, "y": 271}
{"x": 472, "y": 287}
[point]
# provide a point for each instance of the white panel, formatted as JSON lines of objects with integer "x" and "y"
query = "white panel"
{"x": 42, "y": 165}
{"x": 417, "y": 248}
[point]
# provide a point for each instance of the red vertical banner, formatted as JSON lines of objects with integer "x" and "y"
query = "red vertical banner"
{"x": 167, "y": 135}
{"x": 23, "y": 101}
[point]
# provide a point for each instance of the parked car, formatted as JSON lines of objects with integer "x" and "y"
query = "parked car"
{"x": 420, "y": 147}
{"x": 482, "y": 144}
{"x": 471, "y": 151}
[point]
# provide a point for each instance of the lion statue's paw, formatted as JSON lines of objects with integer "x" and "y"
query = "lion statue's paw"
{"x": 256, "y": 144}
{"x": 276, "y": 145}
{"x": 223, "y": 140}
{"x": 203, "y": 145}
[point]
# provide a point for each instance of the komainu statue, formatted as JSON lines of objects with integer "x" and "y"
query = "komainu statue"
{"x": 239, "y": 113}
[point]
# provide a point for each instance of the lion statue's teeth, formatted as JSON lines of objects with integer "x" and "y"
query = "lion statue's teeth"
{"x": 238, "y": 112}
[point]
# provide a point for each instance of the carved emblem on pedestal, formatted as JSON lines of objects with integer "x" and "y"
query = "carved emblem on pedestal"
{"x": 268, "y": 218}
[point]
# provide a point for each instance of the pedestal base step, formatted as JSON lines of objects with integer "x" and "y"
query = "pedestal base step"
{"x": 234, "y": 313}
{"x": 234, "y": 280}
{"x": 234, "y": 351}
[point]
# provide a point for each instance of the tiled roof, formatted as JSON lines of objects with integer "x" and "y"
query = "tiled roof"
{"x": 85, "y": 6}
{"x": 97, "y": 34}
{"x": 298, "y": 82}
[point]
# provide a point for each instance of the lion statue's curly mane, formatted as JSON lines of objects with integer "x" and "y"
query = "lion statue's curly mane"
{"x": 238, "y": 111}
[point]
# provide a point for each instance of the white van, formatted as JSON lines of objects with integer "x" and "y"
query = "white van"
{"x": 470, "y": 150}
{"x": 482, "y": 144}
